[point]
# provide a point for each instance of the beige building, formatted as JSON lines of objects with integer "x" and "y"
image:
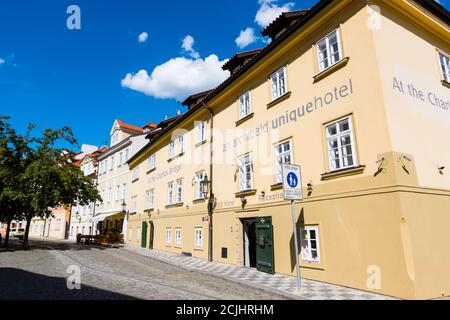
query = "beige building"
{"x": 114, "y": 176}
{"x": 357, "y": 93}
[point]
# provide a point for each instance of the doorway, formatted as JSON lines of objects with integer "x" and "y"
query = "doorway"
{"x": 259, "y": 244}
{"x": 249, "y": 243}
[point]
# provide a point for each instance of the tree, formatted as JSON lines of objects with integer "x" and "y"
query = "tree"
{"x": 14, "y": 152}
{"x": 51, "y": 178}
{"x": 37, "y": 174}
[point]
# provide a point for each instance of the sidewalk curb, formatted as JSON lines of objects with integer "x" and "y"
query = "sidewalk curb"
{"x": 281, "y": 293}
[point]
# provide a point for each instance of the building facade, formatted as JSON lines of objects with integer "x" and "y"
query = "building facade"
{"x": 338, "y": 92}
{"x": 114, "y": 176}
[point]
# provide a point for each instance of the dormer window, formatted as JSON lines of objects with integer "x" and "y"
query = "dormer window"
{"x": 115, "y": 138}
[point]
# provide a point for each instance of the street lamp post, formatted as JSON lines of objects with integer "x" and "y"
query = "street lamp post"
{"x": 206, "y": 190}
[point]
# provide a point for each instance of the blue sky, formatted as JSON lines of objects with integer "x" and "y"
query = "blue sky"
{"x": 53, "y": 76}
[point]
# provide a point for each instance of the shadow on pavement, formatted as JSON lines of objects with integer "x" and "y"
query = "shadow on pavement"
{"x": 38, "y": 244}
{"x": 16, "y": 284}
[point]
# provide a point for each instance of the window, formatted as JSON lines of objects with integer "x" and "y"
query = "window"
{"x": 329, "y": 51}
{"x": 244, "y": 105}
{"x": 180, "y": 145}
{"x": 118, "y": 192}
{"x": 110, "y": 195}
{"x": 199, "y": 176}
{"x": 133, "y": 204}
{"x": 310, "y": 244}
{"x": 278, "y": 83}
{"x": 180, "y": 191}
{"x": 283, "y": 154}
{"x": 198, "y": 237}
{"x": 340, "y": 144}
{"x": 245, "y": 172}
{"x": 170, "y": 193}
{"x": 124, "y": 191}
{"x": 113, "y": 162}
{"x": 172, "y": 150}
{"x": 152, "y": 162}
{"x": 127, "y": 154}
{"x": 178, "y": 236}
{"x": 136, "y": 173}
{"x": 168, "y": 235}
{"x": 139, "y": 234}
{"x": 201, "y": 131}
{"x": 130, "y": 234}
{"x": 444, "y": 61}
{"x": 149, "y": 199}
{"x": 120, "y": 159}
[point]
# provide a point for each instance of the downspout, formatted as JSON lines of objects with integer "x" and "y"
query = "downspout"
{"x": 94, "y": 227}
{"x": 211, "y": 192}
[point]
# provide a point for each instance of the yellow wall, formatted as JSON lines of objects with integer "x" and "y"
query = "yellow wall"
{"x": 390, "y": 215}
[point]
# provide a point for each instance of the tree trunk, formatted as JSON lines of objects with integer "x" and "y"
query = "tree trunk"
{"x": 27, "y": 231}
{"x": 7, "y": 232}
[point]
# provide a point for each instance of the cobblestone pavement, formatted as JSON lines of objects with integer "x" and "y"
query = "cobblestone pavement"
{"x": 281, "y": 284}
{"x": 107, "y": 273}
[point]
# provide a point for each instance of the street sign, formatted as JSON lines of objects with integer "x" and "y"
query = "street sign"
{"x": 292, "y": 182}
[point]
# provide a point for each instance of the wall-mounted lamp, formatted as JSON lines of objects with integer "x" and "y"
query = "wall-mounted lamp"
{"x": 441, "y": 170}
{"x": 263, "y": 193}
{"x": 310, "y": 188}
{"x": 243, "y": 201}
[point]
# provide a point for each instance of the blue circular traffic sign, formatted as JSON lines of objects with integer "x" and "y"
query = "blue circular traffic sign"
{"x": 292, "y": 180}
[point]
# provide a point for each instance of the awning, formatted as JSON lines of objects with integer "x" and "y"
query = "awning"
{"x": 103, "y": 216}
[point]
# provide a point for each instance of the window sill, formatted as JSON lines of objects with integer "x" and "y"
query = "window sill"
{"x": 133, "y": 213}
{"x": 199, "y": 249}
{"x": 149, "y": 210}
{"x": 177, "y": 205}
{"x": 277, "y": 186}
{"x": 312, "y": 265}
{"x": 199, "y": 144}
{"x": 244, "y": 119}
{"x": 133, "y": 181}
{"x": 445, "y": 83}
{"x": 198, "y": 201}
{"x": 279, "y": 99}
{"x": 323, "y": 74}
{"x": 343, "y": 173}
{"x": 151, "y": 170}
{"x": 245, "y": 193}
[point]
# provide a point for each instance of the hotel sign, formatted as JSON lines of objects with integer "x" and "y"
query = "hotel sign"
{"x": 292, "y": 182}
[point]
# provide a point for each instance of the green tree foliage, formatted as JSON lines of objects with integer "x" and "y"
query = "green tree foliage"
{"x": 41, "y": 175}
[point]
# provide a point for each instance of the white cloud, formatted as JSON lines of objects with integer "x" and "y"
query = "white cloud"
{"x": 178, "y": 78}
{"x": 188, "y": 46}
{"x": 270, "y": 10}
{"x": 143, "y": 37}
{"x": 2, "y": 61}
{"x": 246, "y": 38}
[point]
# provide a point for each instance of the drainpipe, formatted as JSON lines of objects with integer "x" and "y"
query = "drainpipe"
{"x": 211, "y": 192}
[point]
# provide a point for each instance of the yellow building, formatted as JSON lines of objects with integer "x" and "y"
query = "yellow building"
{"x": 356, "y": 92}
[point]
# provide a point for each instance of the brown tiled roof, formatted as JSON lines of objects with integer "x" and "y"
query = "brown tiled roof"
{"x": 129, "y": 127}
{"x": 283, "y": 22}
{"x": 195, "y": 98}
{"x": 151, "y": 125}
{"x": 240, "y": 59}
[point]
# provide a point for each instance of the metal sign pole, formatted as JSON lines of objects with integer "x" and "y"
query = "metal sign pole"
{"x": 294, "y": 225}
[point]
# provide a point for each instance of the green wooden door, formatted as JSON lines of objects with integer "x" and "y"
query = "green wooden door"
{"x": 144, "y": 235}
{"x": 152, "y": 235}
{"x": 264, "y": 245}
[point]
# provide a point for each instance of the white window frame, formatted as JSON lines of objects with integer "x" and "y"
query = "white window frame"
{"x": 168, "y": 235}
{"x": 330, "y": 59}
{"x": 201, "y": 131}
{"x": 245, "y": 105}
{"x": 124, "y": 191}
{"x": 245, "y": 168}
{"x": 152, "y": 162}
{"x": 178, "y": 236}
{"x": 136, "y": 173}
{"x": 118, "y": 192}
{"x": 198, "y": 236}
{"x": 180, "y": 145}
{"x": 444, "y": 67}
{"x": 338, "y": 136}
{"x": 170, "y": 193}
{"x": 149, "y": 199}
{"x": 199, "y": 176}
{"x": 127, "y": 154}
{"x": 133, "y": 205}
{"x": 179, "y": 191}
{"x": 306, "y": 241}
{"x": 172, "y": 149}
{"x": 120, "y": 162}
{"x": 278, "y": 90}
{"x": 280, "y": 158}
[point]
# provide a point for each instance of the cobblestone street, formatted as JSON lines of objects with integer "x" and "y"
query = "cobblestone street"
{"x": 107, "y": 273}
